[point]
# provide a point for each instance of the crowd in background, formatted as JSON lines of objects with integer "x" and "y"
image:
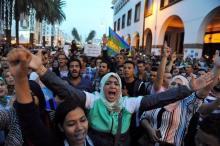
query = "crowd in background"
{"x": 190, "y": 120}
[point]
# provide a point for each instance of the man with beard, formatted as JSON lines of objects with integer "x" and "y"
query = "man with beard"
{"x": 74, "y": 77}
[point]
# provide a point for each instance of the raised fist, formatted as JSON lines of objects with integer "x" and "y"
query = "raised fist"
{"x": 19, "y": 59}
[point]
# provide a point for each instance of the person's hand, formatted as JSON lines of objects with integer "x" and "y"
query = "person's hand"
{"x": 19, "y": 59}
{"x": 173, "y": 56}
{"x": 36, "y": 61}
{"x": 153, "y": 134}
{"x": 201, "y": 82}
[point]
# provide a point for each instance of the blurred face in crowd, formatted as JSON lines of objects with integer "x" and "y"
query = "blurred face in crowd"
{"x": 175, "y": 72}
{"x": 121, "y": 71}
{"x": 74, "y": 69}
{"x": 128, "y": 70}
{"x": 147, "y": 66}
{"x": 141, "y": 68}
{"x": 189, "y": 69}
{"x": 45, "y": 59}
{"x": 82, "y": 62}
{"x": 167, "y": 79}
{"x": 201, "y": 73}
{"x": 204, "y": 139}
{"x": 50, "y": 59}
{"x": 153, "y": 75}
{"x": 62, "y": 60}
{"x": 75, "y": 127}
{"x": 103, "y": 69}
{"x": 98, "y": 62}
{"x": 120, "y": 59}
{"x": 92, "y": 63}
{"x": 9, "y": 78}
{"x": 4, "y": 62}
{"x": 112, "y": 89}
{"x": 3, "y": 88}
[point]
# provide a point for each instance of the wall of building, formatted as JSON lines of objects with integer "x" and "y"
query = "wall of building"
{"x": 195, "y": 15}
{"x": 135, "y": 27}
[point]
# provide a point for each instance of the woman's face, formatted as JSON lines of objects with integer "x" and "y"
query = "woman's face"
{"x": 3, "y": 88}
{"x": 75, "y": 127}
{"x": 9, "y": 78}
{"x": 112, "y": 89}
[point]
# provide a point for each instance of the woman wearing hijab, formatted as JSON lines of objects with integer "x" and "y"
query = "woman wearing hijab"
{"x": 109, "y": 114}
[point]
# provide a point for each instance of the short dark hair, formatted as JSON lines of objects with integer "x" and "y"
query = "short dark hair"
{"x": 84, "y": 58}
{"x": 154, "y": 68}
{"x": 106, "y": 62}
{"x": 64, "y": 108}
{"x": 130, "y": 62}
{"x": 141, "y": 62}
{"x": 210, "y": 125}
{"x": 98, "y": 59}
{"x": 76, "y": 60}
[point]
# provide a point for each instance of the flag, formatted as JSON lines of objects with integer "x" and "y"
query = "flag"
{"x": 115, "y": 43}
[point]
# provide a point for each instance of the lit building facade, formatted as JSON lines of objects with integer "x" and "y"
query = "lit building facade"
{"x": 190, "y": 27}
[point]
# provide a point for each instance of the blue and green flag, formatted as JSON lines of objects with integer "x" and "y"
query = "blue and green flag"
{"x": 115, "y": 43}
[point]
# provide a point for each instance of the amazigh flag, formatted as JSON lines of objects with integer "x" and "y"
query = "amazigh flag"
{"x": 115, "y": 43}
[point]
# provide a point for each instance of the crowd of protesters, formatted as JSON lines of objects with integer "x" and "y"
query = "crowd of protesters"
{"x": 50, "y": 98}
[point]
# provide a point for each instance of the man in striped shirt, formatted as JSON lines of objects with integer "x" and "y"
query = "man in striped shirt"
{"x": 167, "y": 126}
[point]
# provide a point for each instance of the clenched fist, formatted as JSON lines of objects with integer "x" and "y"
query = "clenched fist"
{"x": 19, "y": 59}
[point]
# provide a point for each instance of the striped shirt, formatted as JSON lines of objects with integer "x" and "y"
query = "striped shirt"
{"x": 9, "y": 122}
{"x": 173, "y": 124}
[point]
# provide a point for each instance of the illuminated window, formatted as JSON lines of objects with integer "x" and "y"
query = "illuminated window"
{"x": 212, "y": 38}
{"x": 166, "y": 3}
{"x": 148, "y": 7}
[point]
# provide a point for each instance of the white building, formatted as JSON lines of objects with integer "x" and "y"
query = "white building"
{"x": 190, "y": 27}
{"x": 128, "y": 20}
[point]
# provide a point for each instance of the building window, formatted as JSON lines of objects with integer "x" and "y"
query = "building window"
{"x": 129, "y": 17}
{"x": 167, "y": 3}
{"x": 115, "y": 25}
{"x": 137, "y": 12}
{"x": 123, "y": 21}
{"x": 148, "y": 8}
{"x": 119, "y": 22}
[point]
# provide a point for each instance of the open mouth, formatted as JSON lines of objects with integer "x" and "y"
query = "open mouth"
{"x": 2, "y": 92}
{"x": 111, "y": 93}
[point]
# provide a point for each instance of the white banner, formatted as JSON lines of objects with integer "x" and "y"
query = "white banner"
{"x": 92, "y": 50}
{"x": 192, "y": 53}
